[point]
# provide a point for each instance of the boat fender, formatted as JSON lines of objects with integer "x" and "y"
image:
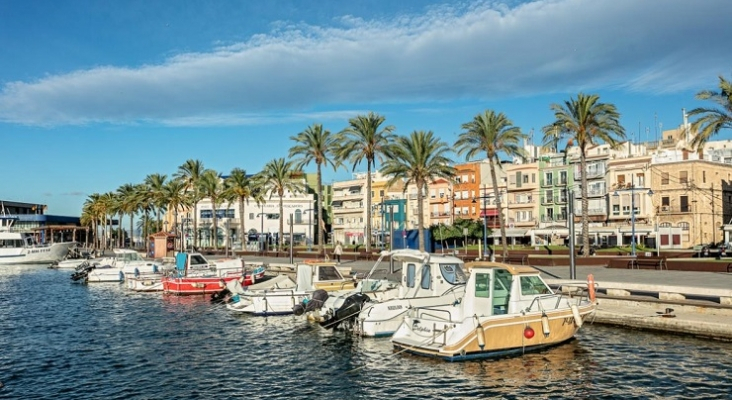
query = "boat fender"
{"x": 545, "y": 324}
{"x": 591, "y": 287}
{"x": 137, "y": 272}
{"x": 576, "y": 314}
{"x": 479, "y": 333}
{"x": 528, "y": 332}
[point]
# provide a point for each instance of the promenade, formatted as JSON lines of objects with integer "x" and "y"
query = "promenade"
{"x": 694, "y": 303}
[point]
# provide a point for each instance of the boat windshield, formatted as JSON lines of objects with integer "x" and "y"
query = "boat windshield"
{"x": 453, "y": 273}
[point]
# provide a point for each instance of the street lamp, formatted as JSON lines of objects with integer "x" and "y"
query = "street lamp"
{"x": 632, "y": 213}
{"x": 261, "y": 231}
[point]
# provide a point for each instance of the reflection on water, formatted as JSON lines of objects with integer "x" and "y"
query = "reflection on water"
{"x": 61, "y": 340}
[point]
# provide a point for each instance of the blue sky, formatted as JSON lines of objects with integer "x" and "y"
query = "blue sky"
{"x": 95, "y": 94}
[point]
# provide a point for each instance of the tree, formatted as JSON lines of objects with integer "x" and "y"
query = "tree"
{"x": 240, "y": 186}
{"x": 712, "y": 120}
{"x": 317, "y": 145}
{"x": 155, "y": 184}
{"x": 365, "y": 139}
{"x": 175, "y": 197}
{"x": 211, "y": 186}
{"x": 127, "y": 197}
{"x": 418, "y": 159}
{"x": 586, "y": 122}
{"x": 277, "y": 176}
{"x": 495, "y": 134}
{"x": 190, "y": 172}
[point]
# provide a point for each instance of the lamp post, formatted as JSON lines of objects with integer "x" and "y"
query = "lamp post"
{"x": 632, "y": 190}
{"x": 261, "y": 231}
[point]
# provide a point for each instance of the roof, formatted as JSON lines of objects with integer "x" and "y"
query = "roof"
{"x": 161, "y": 234}
{"x": 513, "y": 269}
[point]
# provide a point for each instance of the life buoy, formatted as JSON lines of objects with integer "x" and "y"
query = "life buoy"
{"x": 591, "y": 287}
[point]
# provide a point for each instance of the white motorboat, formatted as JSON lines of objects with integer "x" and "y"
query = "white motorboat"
{"x": 21, "y": 248}
{"x": 507, "y": 309}
{"x": 115, "y": 268}
{"x": 280, "y": 294}
{"x": 426, "y": 280}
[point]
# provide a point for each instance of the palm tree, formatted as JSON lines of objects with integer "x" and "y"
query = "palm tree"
{"x": 365, "y": 139}
{"x": 586, "y": 122}
{"x": 127, "y": 196}
{"x": 317, "y": 145}
{"x": 211, "y": 186}
{"x": 91, "y": 214}
{"x": 418, "y": 159}
{"x": 277, "y": 176}
{"x": 240, "y": 186}
{"x": 190, "y": 172}
{"x": 155, "y": 184}
{"x": 109, "y": 204}
{"x": 175, "y": 197}
{"x": 495, "y": 134}
{"x": 712, "y": 120}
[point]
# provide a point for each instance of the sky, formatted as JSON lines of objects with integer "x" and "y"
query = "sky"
{"x": 99, "y": 93}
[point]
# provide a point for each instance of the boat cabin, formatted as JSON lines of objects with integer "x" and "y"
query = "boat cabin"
{"x": 421, "y": 274}
{"x": 312, "y": 275}
{"x": 505, "y": 289}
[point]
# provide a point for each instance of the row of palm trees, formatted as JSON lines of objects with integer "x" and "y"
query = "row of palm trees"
{"x": 416, "y": 159}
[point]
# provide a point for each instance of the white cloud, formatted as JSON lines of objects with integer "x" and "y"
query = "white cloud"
{"x": 482, "y": 50}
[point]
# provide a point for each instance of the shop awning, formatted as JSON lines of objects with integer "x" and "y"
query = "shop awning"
{"x": 490, "y": 212}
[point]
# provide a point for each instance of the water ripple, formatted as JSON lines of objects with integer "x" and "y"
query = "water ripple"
{"x": 61, "y": 340}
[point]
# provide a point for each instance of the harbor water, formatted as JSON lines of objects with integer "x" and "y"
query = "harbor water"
{"x": 59, "y": 340}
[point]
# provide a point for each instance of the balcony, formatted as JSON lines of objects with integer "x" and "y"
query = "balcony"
{"x": 673, "y": 209}
{"x": 347, "y": 210}
{"x": 560, "y": 199}
{"x": 347, "y": 195}
{"x": 547, "y": 200}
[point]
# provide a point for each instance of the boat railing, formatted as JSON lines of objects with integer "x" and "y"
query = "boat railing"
{"x": 538, "y": 300}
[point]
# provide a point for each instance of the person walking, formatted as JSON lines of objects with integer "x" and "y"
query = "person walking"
{"x": 338, "y": 251}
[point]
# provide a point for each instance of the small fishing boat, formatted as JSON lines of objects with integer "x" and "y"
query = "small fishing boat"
{"x": 507, "y": 310}
{"x": 194, "y": 275}
{"x": 280, "y": 294}
{"x": 377, "y": 307}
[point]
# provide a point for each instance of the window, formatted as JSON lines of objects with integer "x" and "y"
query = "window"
{"x": 411, "y": 272}
{"x": 483, "y": 285}
{"x": 328, "y": 273}
{"x": 453, "y": 274}
{"x": 298, "y": 216}
{"x": 664, "y": 178}
{"x": 616, "y": 209}
{"x": 562, "y": 177}
{"x": 683, "y": 177}
{"x": 704, "y": 176}
{"x": 251, "y": 215}
{"x": 548, "y": 178}
{"x": 684, "y": 226}
{"x": 372, "y": 194}
{"x": 684, "y": 204}
{"x": 426, "y": 279}
{"x": 533, "y": 285}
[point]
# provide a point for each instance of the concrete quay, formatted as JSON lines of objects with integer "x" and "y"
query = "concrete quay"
{"x": 683, "y": 302}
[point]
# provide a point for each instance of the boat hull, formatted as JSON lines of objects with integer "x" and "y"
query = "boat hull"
{"x": 35, "y": 254}
{"x": 205, "y": 285}
{"x": 487, "y": 337}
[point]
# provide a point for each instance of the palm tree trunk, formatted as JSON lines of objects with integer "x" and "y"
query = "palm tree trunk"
{"x": 215, "y": 234}
{"x": 499, "y": 207}
{"x": 420, "y": 214}
{"x": 132, "y": 231}
{"x": 585, "y": 204}
{"x": 195, "y": 223}
{"x": 368, "y": 207}
{"x": 320, "y": 211}
{"x": 242, "y": 227}
{"x": 282, "y": 216}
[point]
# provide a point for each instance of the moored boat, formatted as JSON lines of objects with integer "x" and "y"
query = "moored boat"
{"x": 507, "y": 309}
{"x": 22, "y": 248}
{"x": 194, "y": 275}
{"x": 377, "y": 308}
{"x": 280, "y": 295}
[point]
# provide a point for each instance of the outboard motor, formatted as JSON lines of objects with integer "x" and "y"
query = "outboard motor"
{"x": 315, "y": 302}
{"x": 348, "y": 312}
{"x": 82, "y": 272}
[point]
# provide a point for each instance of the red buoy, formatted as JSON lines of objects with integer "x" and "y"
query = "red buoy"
{"x": 528, "y": 332}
